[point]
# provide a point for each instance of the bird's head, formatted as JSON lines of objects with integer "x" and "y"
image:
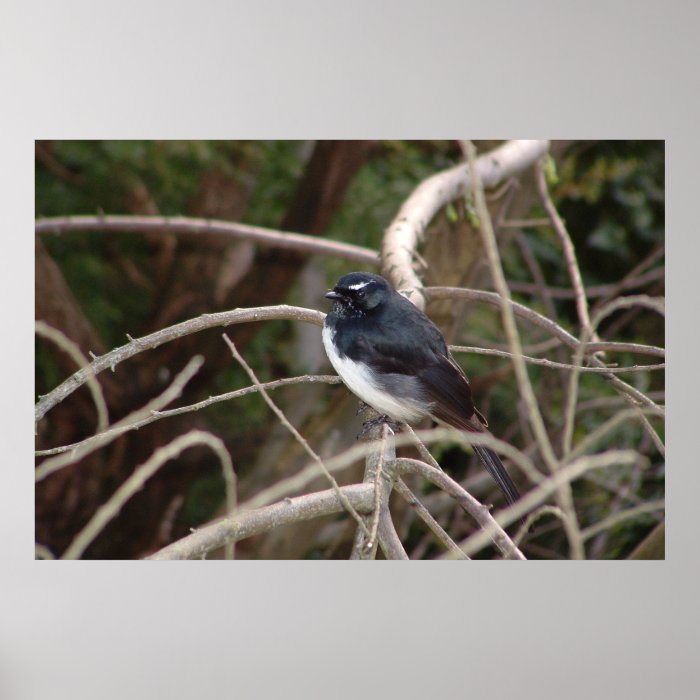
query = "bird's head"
{"x": 360, "y": 291}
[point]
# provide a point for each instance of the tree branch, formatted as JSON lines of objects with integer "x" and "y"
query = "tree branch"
{"x": 136, "y": 481}
{"x": 86, "y": 447}
{"x": 295, "y": 433}
{"x": 407, "y": 230}
{"x": 44, "y": 330}
{"x": 165, "y": 335}
{"x": 182, "y": 225}
{"x": 478, "y": 511}
{"x": 253, "y": 522}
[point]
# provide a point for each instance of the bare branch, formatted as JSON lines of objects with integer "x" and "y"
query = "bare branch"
{"x": 253, "y": 522}
{"x": 158, "y": 415}
{"x": 44, "y": 330}
{"x": 86, "y": 447}
{"x": 425, "y": 515}
{"x": 478, "y": 511}
{"x": 569, "y": 252}
{"x": 165, "y": 335}
{"x": 295, "y": 433}
{"x": 182, "y": 225}
{"x": 365, "y": 543}
{"x": 557, "y": 365}
{"x": 136, "y": 481}
{"x": 538, "y": 495}
{"x": 406, "y": 231}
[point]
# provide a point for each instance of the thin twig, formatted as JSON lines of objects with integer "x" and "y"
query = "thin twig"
{"x": 86, "y": 447}
{"x": 478, "y": 511}
{"x": 539, "y": 494}
{"x": 527, "y": 394}
{"x": 44, "y": 330}
{"x": 158, "y": 415}
{"x": 136, "y": 481}
{"x": 165, "y": 335}
{"x": 569, "y": 252}
{"x": 617, "y": 518}
{"x": 425, "y": 515}
{"x": 557, "y": 365}
{"x": 422, "y": 449}
{"x": 182, "y": 225}
{"x": 295, "y": 433}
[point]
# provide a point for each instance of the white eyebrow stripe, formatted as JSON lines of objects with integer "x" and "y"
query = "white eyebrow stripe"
{"x": 360, "y": 285}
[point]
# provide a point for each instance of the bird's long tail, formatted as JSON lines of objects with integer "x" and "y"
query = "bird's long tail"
{"x": 495, "y": 467}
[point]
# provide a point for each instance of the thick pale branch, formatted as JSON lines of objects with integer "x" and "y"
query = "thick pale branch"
{"x": 254, "y": 522}
{"x": 406, "y": 231}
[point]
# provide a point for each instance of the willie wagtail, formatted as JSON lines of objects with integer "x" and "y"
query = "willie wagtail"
{"x": 394, "y": 358}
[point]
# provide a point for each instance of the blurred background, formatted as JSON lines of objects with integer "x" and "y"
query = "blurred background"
{"x": 97, "y": 287}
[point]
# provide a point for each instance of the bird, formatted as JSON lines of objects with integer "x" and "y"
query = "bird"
{"x": 396, "y": 360}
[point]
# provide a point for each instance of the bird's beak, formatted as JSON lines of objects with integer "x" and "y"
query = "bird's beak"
{"x": 332, "y": 294}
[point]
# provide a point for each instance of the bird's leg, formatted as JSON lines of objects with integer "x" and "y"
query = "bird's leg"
{"x": 362, "y": 407}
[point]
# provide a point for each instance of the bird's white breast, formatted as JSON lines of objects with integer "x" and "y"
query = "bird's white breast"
{"x": 359, "y": 378}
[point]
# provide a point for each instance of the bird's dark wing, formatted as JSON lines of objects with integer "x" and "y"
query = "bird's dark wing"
{"x": 447, "y": 387}
{"x": 401, "y": 343}
{"x": 400, "y": 346}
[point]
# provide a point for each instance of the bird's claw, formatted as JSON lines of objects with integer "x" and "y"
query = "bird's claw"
{"x": 369, "y": 425}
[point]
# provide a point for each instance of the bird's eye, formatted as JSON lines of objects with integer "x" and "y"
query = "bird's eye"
{"x": 360, "y": 293}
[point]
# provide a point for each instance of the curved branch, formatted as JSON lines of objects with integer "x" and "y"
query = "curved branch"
{"x": 44, "y": 330}
{"x": 407, "y": 229}
{"x": 165, "y": 335}
{"x": 538, "y": 319}
{"x": 183, "y": 225}
{"x": 141, "y": 474}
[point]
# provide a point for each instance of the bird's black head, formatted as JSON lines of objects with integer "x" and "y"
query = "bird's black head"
{"x": 359, "y": 291}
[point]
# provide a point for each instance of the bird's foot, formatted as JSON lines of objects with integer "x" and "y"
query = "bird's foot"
{"x": 377, "y": 422}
